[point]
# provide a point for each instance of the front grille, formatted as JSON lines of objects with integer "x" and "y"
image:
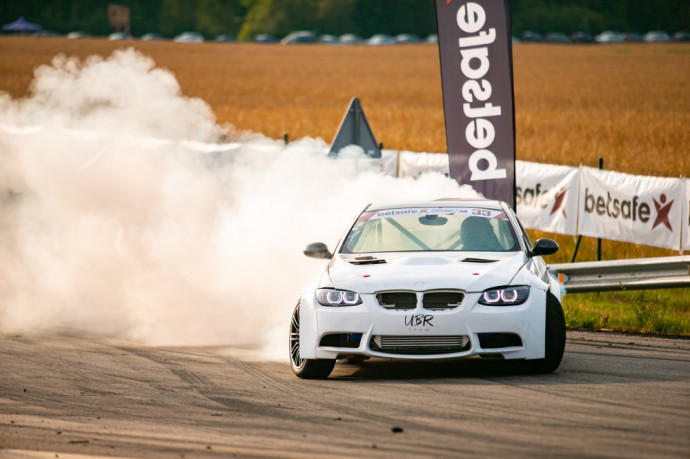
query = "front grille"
{"x": 437, "y": 301}
{"x": 397, "y": 300}
{"x": 419, "y": 345}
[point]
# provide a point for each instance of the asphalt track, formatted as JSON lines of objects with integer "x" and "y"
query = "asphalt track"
{"x": 613, "y": 396}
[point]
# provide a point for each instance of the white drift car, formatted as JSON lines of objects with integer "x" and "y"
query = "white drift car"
{"x": 430, "y": 280}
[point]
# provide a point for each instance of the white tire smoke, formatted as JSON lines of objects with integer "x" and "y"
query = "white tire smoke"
{"x": 123, "y": 215}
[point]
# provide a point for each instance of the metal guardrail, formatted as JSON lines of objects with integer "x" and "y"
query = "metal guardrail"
{"x": 631, "y": 274}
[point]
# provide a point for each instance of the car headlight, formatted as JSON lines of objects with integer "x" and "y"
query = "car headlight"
{"x": 505, "y": 296}
{"x": 334, "y": 297}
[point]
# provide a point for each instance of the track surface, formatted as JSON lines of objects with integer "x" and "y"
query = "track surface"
{"x": 613, "y": 396}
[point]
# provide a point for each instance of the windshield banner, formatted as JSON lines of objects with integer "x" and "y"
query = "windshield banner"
{"x": 423, "y": 211}
{"x": 547, "y": 196}
{"x": 475, "y": 50}
{"x": 631, "y": 208}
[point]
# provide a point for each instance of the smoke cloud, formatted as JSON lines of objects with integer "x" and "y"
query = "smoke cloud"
{"x": 126, "y": 212}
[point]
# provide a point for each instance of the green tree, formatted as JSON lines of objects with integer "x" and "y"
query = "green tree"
{"x": 336, "y": 17}
{"x": 177, "y": 16}
{"x": 278, "y": 17}
{"x": 216, "y": 17}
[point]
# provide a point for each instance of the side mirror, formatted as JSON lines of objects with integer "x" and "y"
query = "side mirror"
{"x": 544, "y": 247}
{"x": 317, "y": 250}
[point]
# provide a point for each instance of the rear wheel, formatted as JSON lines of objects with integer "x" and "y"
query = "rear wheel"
{"x": 554, "y": 340}
{"x": 305, "y": 368}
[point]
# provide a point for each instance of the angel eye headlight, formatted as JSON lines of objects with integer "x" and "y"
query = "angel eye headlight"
{"x": 506, "y": 296}
{"x": 334, "y": 297}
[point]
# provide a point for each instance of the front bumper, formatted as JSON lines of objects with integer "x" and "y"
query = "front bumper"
{"x": 515, "y": 332}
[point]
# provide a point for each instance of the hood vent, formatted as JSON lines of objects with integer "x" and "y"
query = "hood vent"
{"x": 478, "y": 260}
{"x": 367, "y": 261}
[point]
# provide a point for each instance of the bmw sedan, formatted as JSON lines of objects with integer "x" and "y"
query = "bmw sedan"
{"x": 430, "y": 280}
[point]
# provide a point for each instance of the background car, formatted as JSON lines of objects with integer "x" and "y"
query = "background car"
{"x": 581, "y": 37}
{"x": 609, "y": 36}
{"x": 430, "y": 280}
{"x": 350, "y": 39}
{"x": 329, "y": 39}
{"x": 119, "y": 36}
{"x": 656, "y": 36}
{"x": 78, "y": 34}
{"x": 380, "y": 39}
{"x": 406, "y": 38}
{"x": 151, "y": 36}
{"x": 530, "y": 36}
{"x": 556, "y": 37}
{"x": 189, "y": 37}
{"x": 681, "y": 36}
{"x": 432, "y": 39}
{"x": 264, "y": 38}
{"x": 300, "y": 36}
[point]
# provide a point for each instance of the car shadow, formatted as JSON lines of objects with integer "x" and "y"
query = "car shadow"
{"x": 576, "y": 368}
{"x": 401, "y": 369}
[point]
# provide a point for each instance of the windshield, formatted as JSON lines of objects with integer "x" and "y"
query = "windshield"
{"x": 431, "y": 229}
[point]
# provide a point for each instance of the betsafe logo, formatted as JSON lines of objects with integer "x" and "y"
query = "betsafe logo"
{"x": 629, "y": 209}
{"x": 539, "y": 197}
{"x": 478, "y": 106}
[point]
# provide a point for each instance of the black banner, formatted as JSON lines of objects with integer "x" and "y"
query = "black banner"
{"x": 475, "y": 48}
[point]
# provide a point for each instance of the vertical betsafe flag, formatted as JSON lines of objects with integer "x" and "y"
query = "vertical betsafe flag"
{"x": 477, "y": 78}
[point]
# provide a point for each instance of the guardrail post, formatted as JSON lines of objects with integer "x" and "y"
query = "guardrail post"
{"x": 577, "y": 247}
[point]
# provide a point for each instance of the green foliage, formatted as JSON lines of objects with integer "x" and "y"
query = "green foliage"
{"x": 363, "y": 17}
{"x": 651, "y": 311}
{"x": 277, "y": 17}
{"x": 545, "y": 17}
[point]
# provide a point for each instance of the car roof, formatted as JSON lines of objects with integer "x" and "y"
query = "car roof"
{"x": 445, "y": 202}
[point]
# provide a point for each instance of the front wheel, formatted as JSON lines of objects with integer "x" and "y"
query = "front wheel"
{"x": 306, "y": 368}
{"x": 554, "y": 340}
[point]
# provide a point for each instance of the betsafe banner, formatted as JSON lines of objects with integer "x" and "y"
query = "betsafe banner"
{"x": 631, "y": 208}
{"x": 477, "y": 78}
{"x": 547, "y": 196}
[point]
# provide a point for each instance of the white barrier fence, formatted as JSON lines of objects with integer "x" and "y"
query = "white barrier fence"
{"x": 653, "y": 211}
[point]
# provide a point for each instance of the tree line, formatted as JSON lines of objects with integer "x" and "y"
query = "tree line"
{"x": 245, "y": 18}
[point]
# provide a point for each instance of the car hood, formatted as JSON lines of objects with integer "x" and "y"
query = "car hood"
{"x": 469, "y": 271}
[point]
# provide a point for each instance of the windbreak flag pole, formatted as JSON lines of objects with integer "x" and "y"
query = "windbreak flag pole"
{"x": 475, "y": 50}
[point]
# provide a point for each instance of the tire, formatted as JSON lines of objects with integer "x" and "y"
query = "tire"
{"x": 554, "y": 340}
{"x": 305, "y": 368}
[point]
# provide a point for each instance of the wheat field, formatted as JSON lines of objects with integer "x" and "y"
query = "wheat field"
{"x": 629, "y": 104}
